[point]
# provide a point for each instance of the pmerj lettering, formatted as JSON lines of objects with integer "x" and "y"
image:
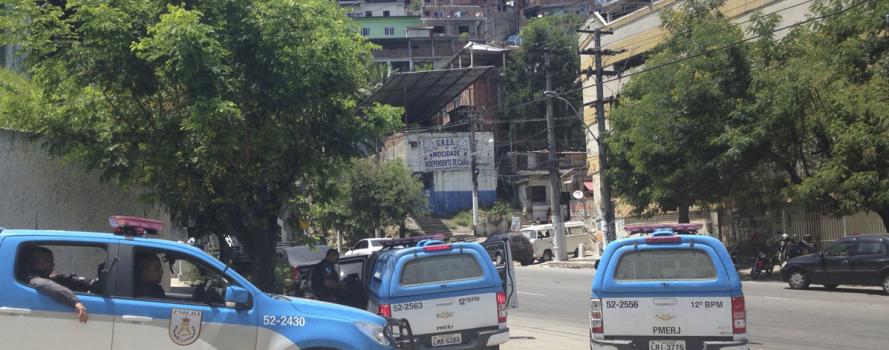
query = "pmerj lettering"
{"x": 666, "y": 330}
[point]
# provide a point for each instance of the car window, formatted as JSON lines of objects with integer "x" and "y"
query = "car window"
{"x": 80, "y": 268}
{"x": 176, "y": 277}
{"x": 674, "y": 264}
{"x": 842, "y": 249}
{"x": 436, "y": 269}
{"x": 360, "y": 245}
{"x": 871, "y": 248}
{"x": 529, "y": 234}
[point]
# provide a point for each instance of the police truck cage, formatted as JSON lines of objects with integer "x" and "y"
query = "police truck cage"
{"x": 134, "y": 226}
{"x": 682, "y": 229}
{"x": 410, "y": 241}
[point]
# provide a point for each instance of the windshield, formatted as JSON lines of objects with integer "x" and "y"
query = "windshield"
{"x": 436, "y": 269}
{"x": 674, "y": 264}
{"x": 529, "y": 234}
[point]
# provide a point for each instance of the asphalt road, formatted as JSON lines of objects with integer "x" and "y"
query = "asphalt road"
{"x": 554, "y": 305}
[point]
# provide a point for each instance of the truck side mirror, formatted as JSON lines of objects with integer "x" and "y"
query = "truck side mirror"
{"x": 238, "y": 296}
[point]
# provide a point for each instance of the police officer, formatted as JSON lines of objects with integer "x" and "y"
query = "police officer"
{"x": 325, "y": 279}
{"x": 39, "y": 274}
{"x": 149, "y": 274}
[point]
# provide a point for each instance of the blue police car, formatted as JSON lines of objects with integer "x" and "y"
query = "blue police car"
{"x": 142, "y": 293}
{"x": 452, "y": 294}
{"x": 667, "y": 292}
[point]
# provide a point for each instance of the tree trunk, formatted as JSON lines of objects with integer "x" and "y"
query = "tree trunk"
{"x": 260, "y": 245}
{"x": 683, "y": 213}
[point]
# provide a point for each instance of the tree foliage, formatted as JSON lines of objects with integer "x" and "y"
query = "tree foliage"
{"x": 371, "y": 195}
{"x": 821, "y": 107}
{"x": 525, "y": 81}
{"x": 666, "y": 147}
{"x": 217, "y": 109}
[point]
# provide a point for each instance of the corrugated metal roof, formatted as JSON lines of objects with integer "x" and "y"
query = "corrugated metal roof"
{"x": 424, "y": 93}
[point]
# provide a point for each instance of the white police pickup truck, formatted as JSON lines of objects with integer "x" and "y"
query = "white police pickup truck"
{"x": 151, "y": 294}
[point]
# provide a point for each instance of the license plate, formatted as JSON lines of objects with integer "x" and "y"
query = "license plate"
{"x": 666, "y": 345}
{"x": 449, "y": 339}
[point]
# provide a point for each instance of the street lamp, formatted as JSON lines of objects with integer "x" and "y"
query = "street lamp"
{"x": 604, "y": 185}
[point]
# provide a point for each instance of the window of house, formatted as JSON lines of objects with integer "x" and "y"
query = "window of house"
{"x": 385, "y": 13}
{"x": 368, "y": 14}
{"x": 428, "y": 180}
{"x": 365, "y": 31}
{"x": 463, "y": 29}
{"x": 390, "y": 31}
{"x": 537, "y": 194}
{"x": 80, "y": 268}
{"x": 190, "y": 280}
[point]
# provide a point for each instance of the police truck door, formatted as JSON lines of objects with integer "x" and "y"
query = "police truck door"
{"x": 505, "y": 268}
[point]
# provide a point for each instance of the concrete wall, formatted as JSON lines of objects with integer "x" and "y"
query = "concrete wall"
{"x": 39, "y": 191}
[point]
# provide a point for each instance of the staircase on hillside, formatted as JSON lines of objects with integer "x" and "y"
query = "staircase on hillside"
{"x": 430, "y": 225}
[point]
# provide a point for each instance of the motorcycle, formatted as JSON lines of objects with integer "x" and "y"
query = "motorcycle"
{"x": 763, "y": 262}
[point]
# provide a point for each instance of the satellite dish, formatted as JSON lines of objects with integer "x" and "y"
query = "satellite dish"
{"x": 577, "y": 195}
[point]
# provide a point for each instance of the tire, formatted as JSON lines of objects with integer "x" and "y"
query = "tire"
{"x": 495, "y": 347}
{"x": 798, "y": 280}
{"x": 886, "y": 283}
{"x": 830, "y": 286}
{"x": 547, "y": 256}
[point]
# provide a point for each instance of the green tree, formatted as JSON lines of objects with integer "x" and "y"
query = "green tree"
{"x": 821, "y": 108}
{"x": 372, "y": 195}
{"x": 216, "y": 109}
{"x": 525, "y": 80}
{"x": 666, "y": 145}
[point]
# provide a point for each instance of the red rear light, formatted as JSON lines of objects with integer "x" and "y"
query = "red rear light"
{"x": 437, "y": 248}
{"x": 385, "y": 310}
{"x": 663, "y": 239}
{"x": 739, "y": 316}
{"x": 596, "y": 323}
{"x": 501, "y": 307}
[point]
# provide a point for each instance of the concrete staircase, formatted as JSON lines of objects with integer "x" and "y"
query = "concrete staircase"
{"x": 431, "y": 225}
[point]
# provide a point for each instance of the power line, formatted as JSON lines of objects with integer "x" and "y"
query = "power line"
{"x": 706, "y": 52}
{"x": 620, "y": 77}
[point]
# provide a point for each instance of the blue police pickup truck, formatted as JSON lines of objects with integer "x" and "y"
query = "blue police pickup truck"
{"x": 453, "y": 295}
{"x": 667, "y": 291}
{"x": 150, "y": 294}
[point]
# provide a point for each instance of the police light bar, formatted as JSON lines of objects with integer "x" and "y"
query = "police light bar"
{"x": 649, "y": 228}
{"x": 134, "y": 226}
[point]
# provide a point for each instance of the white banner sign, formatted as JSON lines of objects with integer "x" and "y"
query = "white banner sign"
{"x": 446, "y": 153}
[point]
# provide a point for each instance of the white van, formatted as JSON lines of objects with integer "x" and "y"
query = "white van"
{"x": 541, "y": 237}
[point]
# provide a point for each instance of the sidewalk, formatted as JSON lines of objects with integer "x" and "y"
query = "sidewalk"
{"x": 572, "y": 263}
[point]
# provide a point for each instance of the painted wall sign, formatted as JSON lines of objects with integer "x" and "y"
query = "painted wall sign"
{"x": 446, "y": 153}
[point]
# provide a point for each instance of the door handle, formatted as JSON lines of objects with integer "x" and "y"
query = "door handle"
{"x": 136, "y": 319}
{"x": 844, "y": 262}
{"x": 665, "y": 301}
{"x": 14, "y": 311}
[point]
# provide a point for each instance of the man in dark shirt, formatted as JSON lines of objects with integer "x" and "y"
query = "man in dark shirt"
{"x": 39, "y": 274}
{"x": 149, "y": 274}
{"x": 325, "y": 279}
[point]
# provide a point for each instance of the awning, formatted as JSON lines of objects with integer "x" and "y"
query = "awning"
{"x": 424, "y": 93}
{"x": 588, "y": 185}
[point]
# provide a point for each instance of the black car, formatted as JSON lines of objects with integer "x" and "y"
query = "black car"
{"x": 521, "y": 247}
{"x": 859, "y": 260}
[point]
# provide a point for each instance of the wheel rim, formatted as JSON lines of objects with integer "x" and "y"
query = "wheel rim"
{"x": 797, "y": 280}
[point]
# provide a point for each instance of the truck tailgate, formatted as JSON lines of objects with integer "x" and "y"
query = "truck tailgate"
{"x": 449, "y": 314}
{"x": 667, "y": 316}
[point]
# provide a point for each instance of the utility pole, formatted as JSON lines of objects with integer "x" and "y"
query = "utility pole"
{"x": 555, "y": 181}
{"x": 604, "y": 184}
{"x": 473, "y": 168}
